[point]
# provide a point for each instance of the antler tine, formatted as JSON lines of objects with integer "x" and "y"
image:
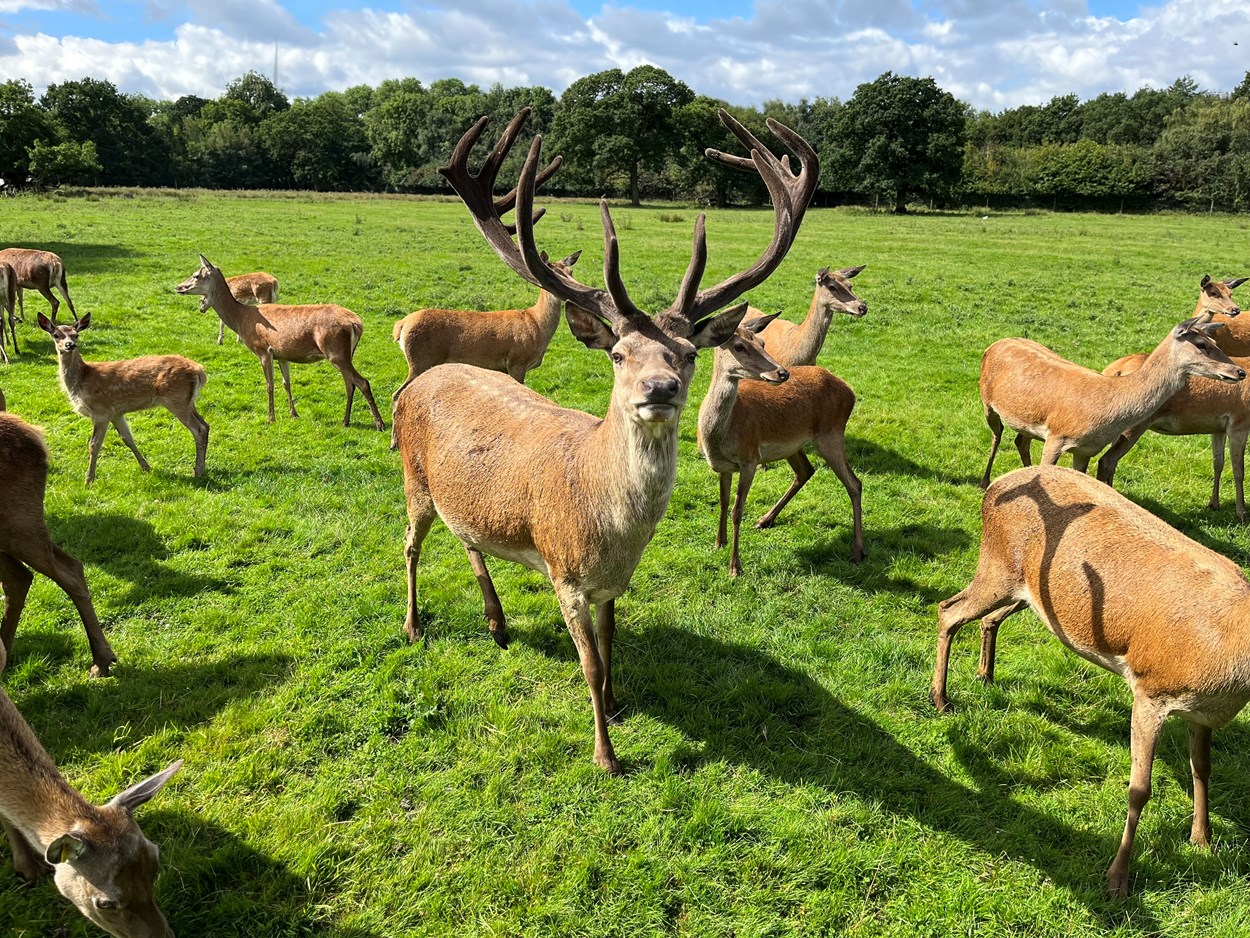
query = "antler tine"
{"x": 612, "y": 267}
{"x": 790, "y": 193}
{"x": 505, "y": 202}
{"x": 698, "y": 263}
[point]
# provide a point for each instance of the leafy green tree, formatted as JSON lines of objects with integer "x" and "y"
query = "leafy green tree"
{"x": 22, "y": 124}
{"x": 69, "y": 163}
{"x": 900, "y": 138}
{"x": 258, "y": 93}
{"x": 319, "y": 144}
{"x": 614, "y": 124}
{"x": 130, "y": 151}
{"x": 1203, "y": 158}
{"x": 1243, "y": 89}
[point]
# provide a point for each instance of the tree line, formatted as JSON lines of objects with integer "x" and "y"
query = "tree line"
{"x": 640, "y": 134}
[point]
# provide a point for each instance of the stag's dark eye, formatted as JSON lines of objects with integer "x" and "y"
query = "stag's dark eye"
{"x": 691, "y": 356}
{"x": 617, "y": 358}
{"x": 739, "y": 347}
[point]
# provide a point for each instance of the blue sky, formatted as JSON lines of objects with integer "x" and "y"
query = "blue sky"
{"x": 992, "y": 53}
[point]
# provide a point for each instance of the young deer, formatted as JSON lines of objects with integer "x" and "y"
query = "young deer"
{"x": 107, "y": 391}
{"x": 98, "y": 856}
{"x": 26, "y": 542}
{"x": 37, "y": 270}
{"x": 575, "y": 497}
{"x": 1125, "y": 591}
{"x": 1199, "y": 407}
{"x": 1075, "y": 409}
{"x": 773, "y": 416}
{"x": 285, "y": 334}
{"x": 8, "y": 289}
{"x": 799, "y": 343}
{"x": 255, "y": 289}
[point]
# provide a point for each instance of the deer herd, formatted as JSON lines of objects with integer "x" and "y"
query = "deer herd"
{"x": 514, "y": 476}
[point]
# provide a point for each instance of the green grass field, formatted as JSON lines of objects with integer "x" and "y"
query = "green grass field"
{"x": 785, "y": 773}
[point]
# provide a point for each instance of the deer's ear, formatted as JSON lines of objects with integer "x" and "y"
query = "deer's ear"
{"x": 759, "y": 323}
{"x": 717, "y": 330}
{"x": 84, "y": 323}
{"x": 66, "y": 848}
{"x": 45, "y": 324}
{"x": 1206, "y": 282}
{"x": 848, "y": 272}
{"x": 143, "y": 791}
{"x": 571, "y": 259}
{"x": 1234, "y": 283}
{"x": 588, "y": 328}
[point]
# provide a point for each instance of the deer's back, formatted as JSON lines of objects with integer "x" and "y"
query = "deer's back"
{"x": 30, "y": 265}
{"x": 780, "y": 339}
{"x": 1029, "y": 385}
{"x": 433, "y": 336}
{"x": 303, "y": 333}
{"x": 1118, "y": 585}
{"x": 778, "y": 419}
{"x": 23, "y": 480}
{"x": 121, "y": 387}
{"x": 259, "y": 286}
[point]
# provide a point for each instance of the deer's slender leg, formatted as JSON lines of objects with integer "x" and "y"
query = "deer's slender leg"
{"x": 16, "y": 580}
{"x": 576, "y": 609}
{"x": 996, "y": 436}
{"x": 421, "y": 514}
{"x": 722, "y": 526}
{"x": 99, "y": 429}
{"x": 1148, "y": 717}
{"x": 989, "y": 639}
{"x": 494, "y": 609}
{"x": 1217, "y": 468}
{"x": 285, "y": 367}
{"x": 832, "y": 449}
{"x": 605, "y": 629}
{"x": 746, "y": 475}
{"x": 802, "y": 472}
{"x": 266, "y": 362}
{"x": 1200, "y": 767}
{"x": 123, "y": 430}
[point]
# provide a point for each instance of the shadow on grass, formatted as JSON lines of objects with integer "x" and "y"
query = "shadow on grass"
{"x": 130, "y": 549}
{"x": 79, "y": 257}
{"x": 86, "y": 716}
{"x": 868, "y": 456}
{"x": 743, "y": 708}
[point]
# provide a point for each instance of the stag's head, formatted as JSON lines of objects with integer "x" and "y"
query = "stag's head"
{"x": 1215, "y": 296}
{"x": 107, "y": 868}
{"x": 64, "y": 336}
{"x": 834, "y": 289}
{"x": 652, "y": 356}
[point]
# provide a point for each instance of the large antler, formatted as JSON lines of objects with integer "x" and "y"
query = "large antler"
{"x": 522, "y": 255}
{"x": 790, "y": 194}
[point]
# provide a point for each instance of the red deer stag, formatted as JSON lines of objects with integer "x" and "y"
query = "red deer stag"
{"x": 772, "y": 416}
{"x": 1075, "y": 409}
{"x": 26, "y": 542}
{"x": 791, "y": 343}
{"x": 107, "y": 391}
{"x": 285, "y": 334}
{"x": 570, "y": 495}
{"x": 97, "y": 855}
{"x": 1125, "y": 591}
{"x": 38, "y": 270}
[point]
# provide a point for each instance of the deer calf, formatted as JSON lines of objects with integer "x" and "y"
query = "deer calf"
{"x": 1125, "y": 591}
{"x": 38, "y": 270}
{"x": 1075, "y": 409}
{"x": 25, "y": 541}
{"x": 285, "y": 334}
{"x": 98, "y": 856}
{"x": 107, "y": 391}
{"x": 773, "y": 416}
{"x": 255, "y": 289}
{"x": 793, "y": 344}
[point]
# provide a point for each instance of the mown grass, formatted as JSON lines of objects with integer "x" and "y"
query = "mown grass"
{"x": 785, "y": 774}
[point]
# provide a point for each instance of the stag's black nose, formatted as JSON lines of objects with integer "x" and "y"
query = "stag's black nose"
{"x": 660, "y": 389}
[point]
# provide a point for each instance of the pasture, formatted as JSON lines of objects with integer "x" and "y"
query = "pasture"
{"x": 785, "y": 773}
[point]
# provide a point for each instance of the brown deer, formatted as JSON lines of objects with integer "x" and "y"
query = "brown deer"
{"x": 573, "y": 496}
{"x": 1075, "y": 409}
{"x": 1125, "y": 591}
{"x": 25, "y": 541}
{"x": 254, "y": 288}
{"x": 8, "y": 289}
{"x": 285, "y": 334}
{"x": 38, "y": 270}
{"x": 1200, "y": 407}
{"x": 107, "y": 391}
{"x": 794, "y": 344}
{"x": 772, "y": 416}
{"x": 98, "y": 856}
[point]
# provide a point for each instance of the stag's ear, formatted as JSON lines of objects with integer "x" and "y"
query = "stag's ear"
{"x": 588, "y": 328}
{"x": 718, "y": 329}
{"x": 571, "y": 259}
{"x": 1235, "y": 283}
{"x": 46, "y": 324}
{"x": 759, "y": 323}
{"x": 66, "y": 848}
{"x": 848, "y": 272}
{"x": 141, "y": 793}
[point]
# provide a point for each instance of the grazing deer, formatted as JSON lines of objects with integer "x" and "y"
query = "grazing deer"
{"x": 1125, "y": 591}
{"x": 98, "y": 856}
{"x": 26, "y": 542}
{"x": 254, "y": 288}
{"x": 573, "y": 496}
{"x": 8, "y": 289}
{"x": 793, "y": 344}
{"x": 38, "y": 270}
{"x": 285, "y": 334}
{"x": 773, "y": 416}
{"x": 1075, "y": 409}
{"x": 1199, "y": 407}
{"x": 107, "y": 391}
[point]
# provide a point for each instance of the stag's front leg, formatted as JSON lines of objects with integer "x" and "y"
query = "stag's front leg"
{"x": 605, "y": 629}
{"x": 576, "y": 608}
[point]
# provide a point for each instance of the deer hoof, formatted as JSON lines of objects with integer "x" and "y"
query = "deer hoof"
{"x": 500, "y": 635}
{"x": 99, "y": 669}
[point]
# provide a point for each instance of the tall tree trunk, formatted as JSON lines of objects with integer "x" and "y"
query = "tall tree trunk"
{"x": 633, "y": 183}
{"x": 900, "y": 202}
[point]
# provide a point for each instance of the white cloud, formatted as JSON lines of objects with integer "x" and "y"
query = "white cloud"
{"x": 992, "y": 53}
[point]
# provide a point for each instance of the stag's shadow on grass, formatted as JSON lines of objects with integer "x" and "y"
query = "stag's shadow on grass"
{"x": 144, "y": 698}
{"x": 743, "y": 708}
{"x": 129, "y": 549}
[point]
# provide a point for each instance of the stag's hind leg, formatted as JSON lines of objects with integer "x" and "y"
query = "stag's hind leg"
{"x": 494, "y": 609}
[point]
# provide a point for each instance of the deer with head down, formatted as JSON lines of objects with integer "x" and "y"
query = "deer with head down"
{"x": 791, "y": 343}
{"x": 574, "y": 496}
{"x": 37, "y": 270}
{"x": 97, "y": 855}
